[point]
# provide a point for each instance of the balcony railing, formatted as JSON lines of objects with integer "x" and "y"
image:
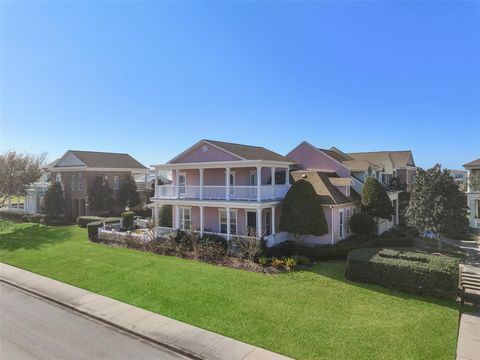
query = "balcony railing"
{"x": 207, "y": 192}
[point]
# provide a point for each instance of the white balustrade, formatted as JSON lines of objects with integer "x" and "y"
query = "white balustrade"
{"x": 213, "y": 192}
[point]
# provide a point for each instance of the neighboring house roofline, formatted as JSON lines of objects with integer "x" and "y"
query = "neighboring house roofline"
{"x": 319, "y": 150}
{"x": 475, "y": 164}
{"x": 96, "y": 160}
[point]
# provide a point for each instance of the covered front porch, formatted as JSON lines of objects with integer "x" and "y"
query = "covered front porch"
{"x": 223, "y": 220}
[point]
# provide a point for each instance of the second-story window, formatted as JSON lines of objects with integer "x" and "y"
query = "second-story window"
{"x": 74, "y": 181}
{"x": 80, "y": 181}
{"x": 58, "y": 178}
{"x": 116, "y": 183}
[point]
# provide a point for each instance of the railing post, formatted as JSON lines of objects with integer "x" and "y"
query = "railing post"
{"x": 259, "y": 183}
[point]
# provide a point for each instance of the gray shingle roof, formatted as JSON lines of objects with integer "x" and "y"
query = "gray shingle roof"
{"x": 97, "y": 159}
{"x": 326, "y": 191}
{"x": 474, "y": 163}
{"x": 249, "y": 152}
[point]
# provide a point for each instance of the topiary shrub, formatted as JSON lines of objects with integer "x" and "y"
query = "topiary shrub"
{"x": 362, "y": 224}
{"x": 83, "y": 221}
{"x": 409, "y": 271}
{"x": 128, "y": 217}
{"x": 302, "y": 212}
{"x": 375, "y": 200}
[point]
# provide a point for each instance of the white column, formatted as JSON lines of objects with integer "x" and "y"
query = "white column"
{"x": 201, "y": 183}
{"x": 273, "y": 220}
{"x": 156, "y": 183}
{"x": 227, "y": 183}
{"x": 201, "y": 221}
{"x": 259, "y": 183}
{"x": 156, "y": 210}
{"x": 177, "y": 217}
{"x": 468, "y": 181}
{"x": 272, "y": 172}
{"x": 259, "y": 223}
{"x": 287, "y": 176}
{"x": 228, "y": 223}
{"x": 177, "y": 181}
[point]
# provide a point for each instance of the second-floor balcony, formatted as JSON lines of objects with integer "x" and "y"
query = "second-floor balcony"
{"x": 233, "y": 193}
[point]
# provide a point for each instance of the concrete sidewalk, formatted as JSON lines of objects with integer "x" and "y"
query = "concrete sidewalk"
{"x": 178, "y": 336}
{"x": 468, "y": 343}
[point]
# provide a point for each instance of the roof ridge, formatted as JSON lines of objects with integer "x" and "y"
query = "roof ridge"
{"x": 100, "y": 152}
{"x": 231, "y": 143}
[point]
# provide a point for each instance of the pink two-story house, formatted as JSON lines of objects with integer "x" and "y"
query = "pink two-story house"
{"x": 224, "y": 188}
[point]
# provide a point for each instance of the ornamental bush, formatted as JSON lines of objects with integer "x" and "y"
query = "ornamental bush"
{"x": 375, "y": 200}
{"x": 302, "y": 212}
{"x": 128, "y": 218}
{"x": 362, "y": 224}
{"x": 409, "y": 271}
{"x": 83, "y": 221}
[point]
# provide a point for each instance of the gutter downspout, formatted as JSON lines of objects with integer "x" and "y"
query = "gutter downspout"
{"x": 331, "y": 221}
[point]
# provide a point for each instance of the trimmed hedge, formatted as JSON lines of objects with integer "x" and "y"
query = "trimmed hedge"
{"x": 92, "y": 228}
{"x": 340, "y": 250}
{"x": 409, "y": 271}
{"x": 19, "y": 217}
{"x": 83, "y": 221}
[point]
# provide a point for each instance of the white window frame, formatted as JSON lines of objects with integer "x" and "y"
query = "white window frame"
{"x": 252, "y": 173}
{"x": 233, "y": 221}
{"x": 181, "y": 219}
{"x": 347, "y": 222}
{"x": 116, "y": 182}
{"x": 230, "y": 184}
{"x": 184, "y": 194}
{"x": 341, "y": 221}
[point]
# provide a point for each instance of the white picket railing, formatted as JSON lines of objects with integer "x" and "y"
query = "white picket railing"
{"x": 213, "y": 192}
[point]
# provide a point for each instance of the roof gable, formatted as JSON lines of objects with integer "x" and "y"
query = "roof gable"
{"x": 68, "y": 160}
{"x": 212, "y": 150}
{"x": 95, "y": 159}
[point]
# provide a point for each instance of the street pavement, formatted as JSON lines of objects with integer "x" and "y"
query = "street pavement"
{"x": 34, "y": 328}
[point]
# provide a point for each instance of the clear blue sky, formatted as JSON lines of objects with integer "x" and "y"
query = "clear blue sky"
{"x": 152, "y": 78}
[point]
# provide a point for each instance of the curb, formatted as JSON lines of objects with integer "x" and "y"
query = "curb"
{"x": 179, "y": 337}
{"x": 97, "y": 318}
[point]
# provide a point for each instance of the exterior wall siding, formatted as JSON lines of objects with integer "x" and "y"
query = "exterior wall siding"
{"x": 308, "y": 157}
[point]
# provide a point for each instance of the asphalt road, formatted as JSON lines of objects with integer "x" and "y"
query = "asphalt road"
{"x": 34, "y": 328}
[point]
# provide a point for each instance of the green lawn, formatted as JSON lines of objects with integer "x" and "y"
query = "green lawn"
{"x": 307, "y": 314}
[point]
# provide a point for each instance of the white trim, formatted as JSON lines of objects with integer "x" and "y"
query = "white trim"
{"x": 222, "y": 164}
{"x": 217, "y": 203}
{"x": 81, "y": 168}
{"x": 189, "y": 208}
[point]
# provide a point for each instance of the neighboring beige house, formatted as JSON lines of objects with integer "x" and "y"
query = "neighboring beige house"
{"x": 473, "y": 194}
{"x": 76, "y": 170}
{"x": 460, "y": 176}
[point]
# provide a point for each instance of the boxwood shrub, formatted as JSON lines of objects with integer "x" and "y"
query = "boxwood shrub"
{"x": 83, "y": 221}
{"x": 92, "y": 228}
{"x": 128, "y": 218}
{"x": 409, "y": 271}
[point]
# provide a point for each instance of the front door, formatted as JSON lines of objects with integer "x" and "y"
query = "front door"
{"x": 251, "y": 223}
